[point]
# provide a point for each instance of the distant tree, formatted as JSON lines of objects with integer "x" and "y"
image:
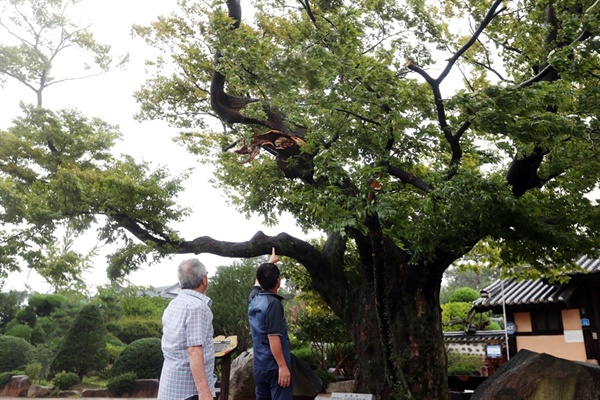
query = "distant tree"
{"x": 42, "y": 32}
{"x": 57, "y": 171}
{"x": 27, "y": 316}
{"x": 45, "y": 304}
{"x": 10, "y": 303}
{"x": 83, "y": 350}
{"x": 466, "y": 275}
{"x": 229, "y": 289}
{"x": 464, "y": 294}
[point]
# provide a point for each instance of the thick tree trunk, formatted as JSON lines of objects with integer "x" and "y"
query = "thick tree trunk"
{"x": 398, "y": 336}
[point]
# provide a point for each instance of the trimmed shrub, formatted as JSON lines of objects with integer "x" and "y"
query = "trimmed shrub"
{"x": 464, "y": 295}
{"x": 143, "y": 356}
{"x": 20, "y": 330}
{"x": 5, "y": 377}
{"x": 38, "y": 335}
{"x": 462, "y": 364}
{"x": 65, "y": 380}
{"x": 135, "y": 328}
{"x": 15, "y": 353}
{"x": 121, "y": 384}
{"x": 84, "y": 348}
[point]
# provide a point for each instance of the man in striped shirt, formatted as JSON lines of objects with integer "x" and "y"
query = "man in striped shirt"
{"x": 187, "y": 342}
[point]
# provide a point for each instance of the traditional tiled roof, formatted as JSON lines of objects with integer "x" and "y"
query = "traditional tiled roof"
{"x": 538, "y": 291}
{"x": 476, "y": 337}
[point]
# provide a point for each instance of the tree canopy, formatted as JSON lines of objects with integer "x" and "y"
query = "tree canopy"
{"x": 411, "y": 133}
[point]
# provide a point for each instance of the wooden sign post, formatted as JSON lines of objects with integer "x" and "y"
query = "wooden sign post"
{"x": 223, "y": 348}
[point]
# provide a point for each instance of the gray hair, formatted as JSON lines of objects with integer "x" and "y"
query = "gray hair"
{"x": 190, "y": 273}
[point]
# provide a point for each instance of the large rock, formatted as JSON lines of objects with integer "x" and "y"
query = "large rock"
{"x": 534, "y": 376}
{"x": 144, "y": 388}
{"x": 96, "y": 393}
{"x": 39, "y": 391}
{"x": 241, "y": 383}
{"x": 17, "y": 386}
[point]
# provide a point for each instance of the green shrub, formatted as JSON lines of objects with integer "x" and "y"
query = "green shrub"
{"x": 20, "y": 330}
{"x": 5, "y": 377}
{"x": 462, "y": 364}
{"x": 143, "y": 356}
{"x": 15, "y": 353}
{"x": 34, "y": 371}
{"x": 114, "y": 351}
{"x": 26, "y": 316}
{"x": 66, "y": 380}
{"x": 135, "y": 328}
{"x": 83, "y": 350}
{"x": 121, "y": 384}
{"x": 464, "y": 295}
{"x": 38, "y": 336}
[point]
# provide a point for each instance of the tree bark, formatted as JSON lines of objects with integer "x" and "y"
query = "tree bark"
{"x": 397, "y": 331}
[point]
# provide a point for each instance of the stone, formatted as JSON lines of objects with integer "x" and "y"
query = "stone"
{"x": 306, "y": 382}
{"x": 144, "y": 388}
{"x": 241, "y": 383}
{"x": 39, "y": 391}
{"x": 17, "y": 386}
{"x": 69, "y": 393}
{"x": 341, "y": 387}
{"x": 96, "y": 393}
{"x": 534, "y": 376}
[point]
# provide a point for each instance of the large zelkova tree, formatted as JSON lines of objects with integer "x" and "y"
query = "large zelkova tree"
{"x": 417, "y": 130}
{"x": 59, "y": 176}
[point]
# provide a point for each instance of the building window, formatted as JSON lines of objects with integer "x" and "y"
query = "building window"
{"x": 546, "y": 322}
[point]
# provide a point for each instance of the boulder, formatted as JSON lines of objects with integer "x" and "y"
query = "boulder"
{"x": 17, "y": 386}
{"x": 241, "y": 383}
{"x": 144, "y": 388}
{"x": 69, "y": 393}
{"x": 306, "y": 382}
{"x": 96, "y": 393}
{"x": 39, "y": 391}
{"x": 341, "y": 387}
{"x": 533, "y": 376}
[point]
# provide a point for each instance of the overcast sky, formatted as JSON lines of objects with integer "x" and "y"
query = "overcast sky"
{"x": 110, "y": 97}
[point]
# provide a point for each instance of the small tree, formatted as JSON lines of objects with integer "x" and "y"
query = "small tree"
{"x": 229, "y": 290}
{"x": 84, "y": 348}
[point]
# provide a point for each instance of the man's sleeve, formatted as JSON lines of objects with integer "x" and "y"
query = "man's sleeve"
{"x": 275, "y": 318}
{"x": 253, "y": 293}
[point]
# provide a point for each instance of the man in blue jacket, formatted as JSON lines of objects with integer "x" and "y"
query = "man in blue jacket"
{"x": 272, "y": 357}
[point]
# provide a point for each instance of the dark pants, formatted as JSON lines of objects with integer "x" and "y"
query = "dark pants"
{"x": 267, "y": 387}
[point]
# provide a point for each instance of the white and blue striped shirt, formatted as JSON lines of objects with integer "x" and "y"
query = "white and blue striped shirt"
{"x": 187, "y": 322}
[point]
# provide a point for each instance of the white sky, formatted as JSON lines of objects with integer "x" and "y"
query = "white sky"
{"x": 110, "y": 97}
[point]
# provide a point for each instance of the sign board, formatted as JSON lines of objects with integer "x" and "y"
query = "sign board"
{"x": 573, "y": 336}
{"x": 224, "y": 345}
{"x": 493, "y": 350}
{"x": 511, "y": 328}
{"x": 354, "y": 396}
{"x": 585, "y": 322}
